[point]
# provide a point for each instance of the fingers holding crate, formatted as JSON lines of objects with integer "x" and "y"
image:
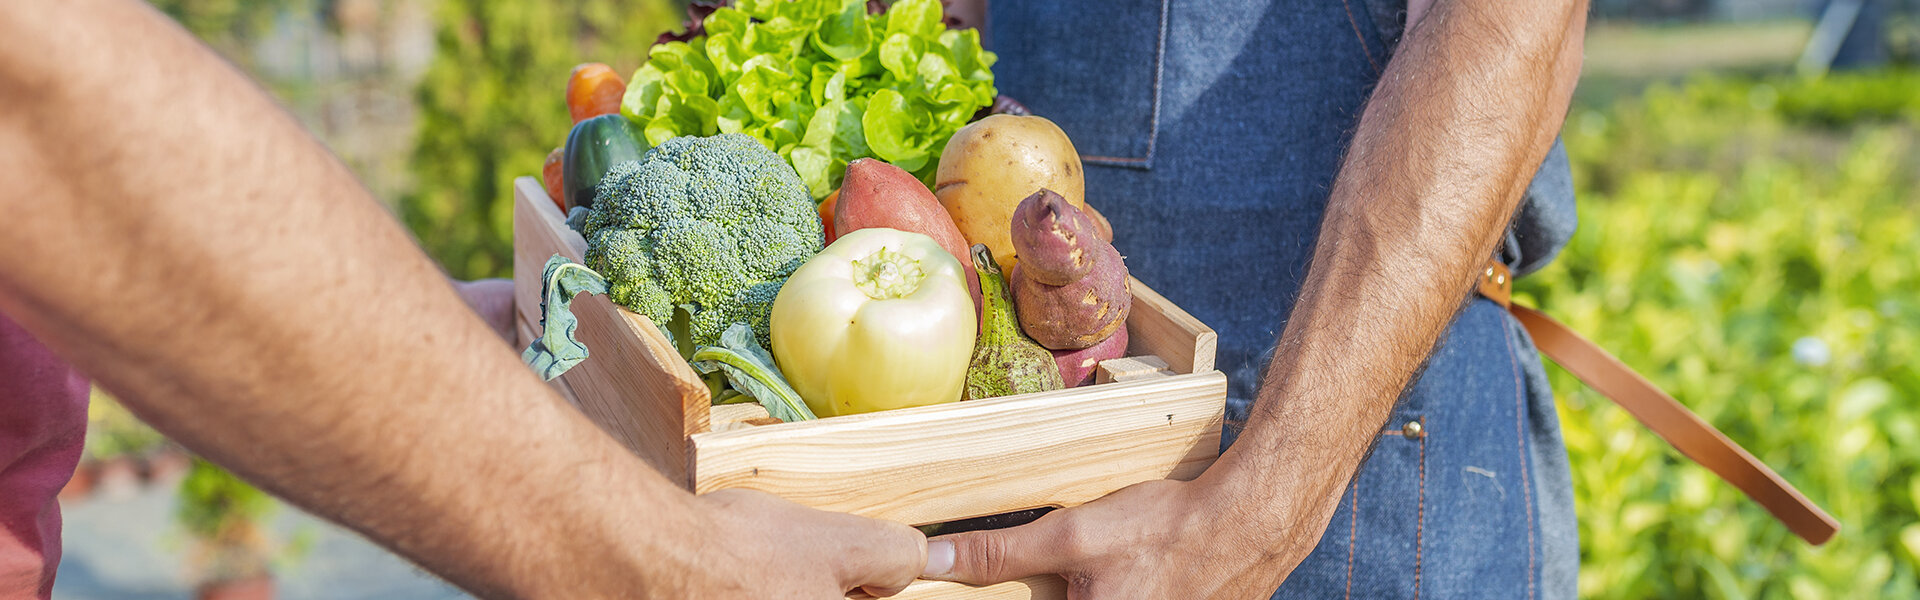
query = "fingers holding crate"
{"x": 774, "y": 548}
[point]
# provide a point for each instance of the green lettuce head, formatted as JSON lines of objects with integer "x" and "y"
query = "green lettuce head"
{"x": 821, "y": 82}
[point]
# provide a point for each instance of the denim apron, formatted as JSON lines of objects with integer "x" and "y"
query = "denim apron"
{"x": 1211, "y": 132}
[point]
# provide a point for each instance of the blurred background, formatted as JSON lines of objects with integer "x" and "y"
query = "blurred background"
{"x": 1747, "y": 179}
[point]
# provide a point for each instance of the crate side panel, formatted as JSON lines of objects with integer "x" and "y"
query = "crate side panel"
{"x": 665, "y": 367}
{"x": 968, "y": 459}
{"x": 1157, "y": 327}
{"x": 539, "y": 232}
{"x": 625, "y": 386}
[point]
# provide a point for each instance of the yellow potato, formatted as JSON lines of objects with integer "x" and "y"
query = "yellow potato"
{"x": 992, "y": 164}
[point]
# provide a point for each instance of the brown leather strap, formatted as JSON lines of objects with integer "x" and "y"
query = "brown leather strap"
{"x": 1497, "y": 284}
{"x": 1688, "y": 433}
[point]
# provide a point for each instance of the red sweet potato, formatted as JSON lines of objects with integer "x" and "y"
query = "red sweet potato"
{"x": 1053, "y": 239}
{"x": 1078, "y": 367}
{"x": 1070, "y": 286}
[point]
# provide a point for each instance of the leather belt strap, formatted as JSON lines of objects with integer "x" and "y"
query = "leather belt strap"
{"x": 1686, "y": 431}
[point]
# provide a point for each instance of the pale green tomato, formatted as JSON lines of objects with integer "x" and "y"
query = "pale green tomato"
{"x": 879, "y": 320}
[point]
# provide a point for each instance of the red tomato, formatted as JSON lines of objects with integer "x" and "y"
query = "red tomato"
{"x": 550, "y": 175}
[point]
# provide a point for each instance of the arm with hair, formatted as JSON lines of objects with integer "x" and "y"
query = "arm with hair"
{"x": 175, "y": 234}
{"x": 1462, "y": 116}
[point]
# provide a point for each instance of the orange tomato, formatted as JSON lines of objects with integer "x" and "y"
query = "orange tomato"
{"x": 593, "y": 90}
{"x": 550, "y": 174}
{"x": 826, "y": 214}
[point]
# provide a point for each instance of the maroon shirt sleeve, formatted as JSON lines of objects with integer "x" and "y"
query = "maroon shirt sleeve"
{"x": 43, "y": 424}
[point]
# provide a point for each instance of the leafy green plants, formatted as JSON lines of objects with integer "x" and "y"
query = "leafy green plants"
{"x": 1749, "y": 245}
{"x": 113, "y": 432}
{"x": 233, "y": 554}
{"x": 117, "y": 444}
{"x": 490, "y": 108}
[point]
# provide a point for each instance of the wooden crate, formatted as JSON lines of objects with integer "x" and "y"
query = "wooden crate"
{"x": 1155, "y": 416}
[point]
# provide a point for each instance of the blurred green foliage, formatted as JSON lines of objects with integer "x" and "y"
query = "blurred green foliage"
{"x": 1752, "y": 245}
{"x": 229, "y": 25}
{"x": 226, "y": 519}
{"x": 493, "y": 104}
{"x": 114, "y": 432}
{"x": 214, "y": 504}
{"x": 1845, "y": 100}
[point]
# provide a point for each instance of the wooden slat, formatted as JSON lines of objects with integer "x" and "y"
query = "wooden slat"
{"x": 633, "y": 384}
{"x": 728, "y": 417}
{"x": 1031, "y": 588}
{"x": 1155, "y": 326}
{"x": 1131, "y": 368}
{"x": 969, "y": 459}
{"x": 524, "y": 331}
{"x": 539, "y": 232}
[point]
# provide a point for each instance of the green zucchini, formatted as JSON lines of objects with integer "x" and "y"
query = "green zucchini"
{"x": 593, "y": 148}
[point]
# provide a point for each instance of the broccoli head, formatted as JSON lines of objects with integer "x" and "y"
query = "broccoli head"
{"x": 714, "y": 224}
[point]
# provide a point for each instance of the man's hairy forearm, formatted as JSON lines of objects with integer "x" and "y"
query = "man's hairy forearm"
{"x": 1462, "y": 117}
{"x": 184, "y": 242}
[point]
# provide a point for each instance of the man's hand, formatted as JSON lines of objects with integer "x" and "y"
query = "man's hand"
{"x": 492, "y": 299}
{"x": 1463, "y": 115}
{"x": 1158, "y": 539}
{"x": 235, "y": 287}
{"x": 773, "y": 548}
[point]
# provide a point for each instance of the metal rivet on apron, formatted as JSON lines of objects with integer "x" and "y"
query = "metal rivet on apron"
{"x": 1413, "y": 430}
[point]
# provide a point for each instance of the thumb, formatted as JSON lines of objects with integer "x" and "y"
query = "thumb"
{"x": 998, "y": 555}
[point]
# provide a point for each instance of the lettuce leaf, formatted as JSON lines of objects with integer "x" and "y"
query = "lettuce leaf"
{"x": 557, "y": 350}
{"x": 821, "y": 82}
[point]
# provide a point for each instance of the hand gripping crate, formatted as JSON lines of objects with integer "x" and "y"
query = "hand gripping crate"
{"x": 1154, "y": 415}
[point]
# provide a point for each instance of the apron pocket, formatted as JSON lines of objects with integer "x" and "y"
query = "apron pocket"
{"x": 1091, "y": 67}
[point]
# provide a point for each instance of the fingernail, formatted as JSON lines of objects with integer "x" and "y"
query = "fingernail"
{"x": 939, "y": 559}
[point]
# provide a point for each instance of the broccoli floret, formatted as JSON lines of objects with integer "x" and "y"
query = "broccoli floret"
{"x": 714, "y": 224}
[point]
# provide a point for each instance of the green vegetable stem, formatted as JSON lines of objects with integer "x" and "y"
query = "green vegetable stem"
{"x": 752, "y": 371}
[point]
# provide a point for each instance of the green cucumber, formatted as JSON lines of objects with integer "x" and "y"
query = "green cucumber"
{"x": 593, "y": 148}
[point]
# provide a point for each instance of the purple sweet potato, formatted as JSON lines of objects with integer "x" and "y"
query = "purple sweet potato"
{"x": 1076, "y": 315}
{"x": 1070, "y": 286}
{"x": 1078, "y": 367}
{"x": 1056, "y": 241}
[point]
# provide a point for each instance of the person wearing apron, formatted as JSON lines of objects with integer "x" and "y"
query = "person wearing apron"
{"x": 1213, "y": 133}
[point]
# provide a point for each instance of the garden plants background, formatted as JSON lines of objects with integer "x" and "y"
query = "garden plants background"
{"x": 1748, "y": 243}
{"x": 1749, "y": 240}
